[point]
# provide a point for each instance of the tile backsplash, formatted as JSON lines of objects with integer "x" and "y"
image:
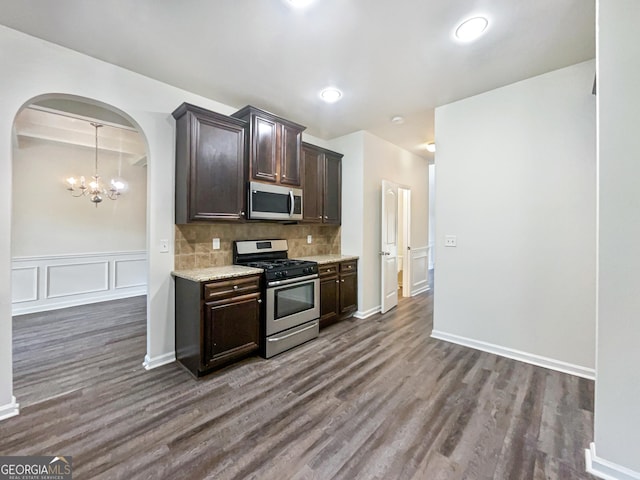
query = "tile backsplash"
{"x": 193, "y": 242}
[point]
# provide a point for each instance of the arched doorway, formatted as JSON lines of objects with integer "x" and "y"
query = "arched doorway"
{"x": 71, "y": 255}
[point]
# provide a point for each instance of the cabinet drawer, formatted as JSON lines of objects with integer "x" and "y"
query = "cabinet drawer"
{"x": 327, "y": 270}
{"x": 351, "y": 266}
{"x": 229, "y": 288}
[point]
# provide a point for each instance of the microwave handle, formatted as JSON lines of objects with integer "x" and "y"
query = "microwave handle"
{"x": 291, "y": 203}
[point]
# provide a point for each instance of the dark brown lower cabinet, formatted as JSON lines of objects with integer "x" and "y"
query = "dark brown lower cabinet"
{"x": 348, "y": 288}
{"x": 329, "y": 294}
{"x": 231, "y": 328}
{"x": 338, "y": 291}
{"x": 217, "y": 323}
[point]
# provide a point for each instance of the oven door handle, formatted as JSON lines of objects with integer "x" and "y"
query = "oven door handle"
{"x": 277, "y": 339}
{"x": 291, "y": 280}
{"x": 292, "y": 203}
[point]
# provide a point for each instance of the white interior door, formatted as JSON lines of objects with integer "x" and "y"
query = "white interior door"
{"x": 389, "y": 246}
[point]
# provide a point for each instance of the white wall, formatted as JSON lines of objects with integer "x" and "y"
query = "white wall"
{"x": 617, "y": 407}
{"x": 367, "y": 161}
{"x": 515, "y": 184}
{"x": 37, "y": 68}
{"x": 48, "y": 221}
{"x": 351, "y": 238}
{"x": 432, "y": 214}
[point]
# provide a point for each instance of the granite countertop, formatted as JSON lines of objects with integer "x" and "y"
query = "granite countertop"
{"x": 216, "y": 273}
{"x": 324, "y": 259}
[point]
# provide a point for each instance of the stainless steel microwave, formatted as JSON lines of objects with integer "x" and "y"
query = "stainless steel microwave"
{"x": 274, "y": 202}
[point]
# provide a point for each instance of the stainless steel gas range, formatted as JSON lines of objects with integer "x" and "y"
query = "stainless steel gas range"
{"x": 291, "y": 290}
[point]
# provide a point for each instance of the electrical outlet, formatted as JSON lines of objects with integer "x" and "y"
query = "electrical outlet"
{"x": 215, "y": 244}
{"x": 450, "y": 241}
{"x": 309, "y": 239}
{"x": 164, "y": 246}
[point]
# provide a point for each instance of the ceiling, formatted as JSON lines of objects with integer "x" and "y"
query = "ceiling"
{"x": 388, "y": 57}
{"x": 39, "y": 123}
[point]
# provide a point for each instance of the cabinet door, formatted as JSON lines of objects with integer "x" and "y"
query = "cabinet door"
{"x": 348, "y": 292}
{"x": 312, "y": 191}
{"x": 332, "y": 191}
{"x": 290, "y": 143}
{"x": 329, "y": 298}
{"x": 216, "y": 182}
{"x": 231, "y": 329}
{"x": 264, "y": 149}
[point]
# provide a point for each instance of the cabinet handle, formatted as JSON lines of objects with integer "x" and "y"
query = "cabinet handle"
{"x": 337, "y": 281}
{"x": 342, "y": 280}
{"x": 259, "y": 300}
{"x": 242, "y": 213}
{"x": 319, "y": 216}
{"x": 326, "y": 217}
{"x": 284, "y": 176}
{"x": 329, "y": 271}
{"x": 235, "y": 287}
{"x": 349, "y": 267}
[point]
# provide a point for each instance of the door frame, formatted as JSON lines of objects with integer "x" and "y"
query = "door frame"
{"x": 405, "y": 199}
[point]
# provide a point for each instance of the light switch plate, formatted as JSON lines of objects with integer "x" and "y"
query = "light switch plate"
{"x": 309, "y": 239}
{"x": 450, "y": 241}
{"x": 215, "y": 244}
{"x": 164, "y": 246}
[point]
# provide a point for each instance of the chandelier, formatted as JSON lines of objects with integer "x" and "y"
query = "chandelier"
{"x": 95, "y": 190}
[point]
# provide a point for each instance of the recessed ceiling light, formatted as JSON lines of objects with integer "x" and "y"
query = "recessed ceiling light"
{"x": 431, "y": 147}
{"x": 471, "y": 29}
{"x": 398, "y": 120}
{"x": 299, "y": 3}
{"x": 330, "y": 94}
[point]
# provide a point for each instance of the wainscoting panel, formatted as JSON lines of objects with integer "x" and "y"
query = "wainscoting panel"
{"x": 60, "y": 281}
{"x": 419, "y": 270}
{"x": 24, "y": 281}
{"x": 77, "y": 278}
{"x": 130, "y": 273}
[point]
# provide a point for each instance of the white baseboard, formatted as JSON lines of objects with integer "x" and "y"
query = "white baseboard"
{"x": 151, "y": 363}
{"x": 10, "y": 410}
{"x": 607, "y": 470}
{"x": 426, "y": 288}
{"x": 367, "y": 313}
{"x": 531, "y": 358}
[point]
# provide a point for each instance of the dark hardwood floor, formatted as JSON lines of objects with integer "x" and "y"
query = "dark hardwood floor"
{"x": 370, "y": 399}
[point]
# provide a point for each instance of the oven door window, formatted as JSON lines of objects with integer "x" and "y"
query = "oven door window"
{"x": 294, "y": 299}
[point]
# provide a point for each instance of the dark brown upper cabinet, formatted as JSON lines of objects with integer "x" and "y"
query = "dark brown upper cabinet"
{"x": 211, "y": 165}
{"x": 322, "y": 193}
{"x": 274, "y": 147}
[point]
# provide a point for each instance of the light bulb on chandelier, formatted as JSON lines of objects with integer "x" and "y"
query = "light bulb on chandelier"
{"x": 95, "y": 190}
